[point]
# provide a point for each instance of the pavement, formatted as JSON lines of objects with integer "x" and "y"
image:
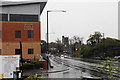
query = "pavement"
{"x": 44, "y": 72}
{"x": 62, "y": 71}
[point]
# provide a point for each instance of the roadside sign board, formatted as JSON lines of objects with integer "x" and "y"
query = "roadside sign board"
{"x": 0, "y": 67}
{"x": 8, "y": 64}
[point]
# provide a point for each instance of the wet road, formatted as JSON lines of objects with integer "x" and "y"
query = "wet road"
{"x": 77, "y": 69}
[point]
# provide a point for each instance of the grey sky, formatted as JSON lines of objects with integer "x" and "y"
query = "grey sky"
{"x": 83, "y": 17}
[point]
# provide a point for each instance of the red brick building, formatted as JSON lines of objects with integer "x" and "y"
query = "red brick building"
{"x": 21, "y": 22}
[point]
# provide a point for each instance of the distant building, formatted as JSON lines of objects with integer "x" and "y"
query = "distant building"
{"x": 65, "y": 40}
{"x": 21, "y": 22}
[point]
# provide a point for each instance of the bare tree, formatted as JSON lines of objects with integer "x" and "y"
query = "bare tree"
{"x": 75, "y": 39}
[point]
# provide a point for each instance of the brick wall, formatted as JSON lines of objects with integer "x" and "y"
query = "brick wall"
{"x": 9, "y": 49}
{"x": 9, "y": 43}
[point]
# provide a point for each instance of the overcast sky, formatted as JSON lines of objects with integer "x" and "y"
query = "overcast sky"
{"x": 83, "y": 17}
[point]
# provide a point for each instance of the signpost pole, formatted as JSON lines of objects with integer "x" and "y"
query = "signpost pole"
{"x": 21, "y": 59}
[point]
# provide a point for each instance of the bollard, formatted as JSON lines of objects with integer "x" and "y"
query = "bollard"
{"x": 16, "y": 75}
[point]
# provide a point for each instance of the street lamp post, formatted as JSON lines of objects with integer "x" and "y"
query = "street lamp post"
{"x": 48, "y": 27}
{"x": 48, "y": 30}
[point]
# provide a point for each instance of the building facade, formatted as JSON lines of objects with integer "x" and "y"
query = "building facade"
{"x": 65, "y": 42}
{"x": 20, "y": 22}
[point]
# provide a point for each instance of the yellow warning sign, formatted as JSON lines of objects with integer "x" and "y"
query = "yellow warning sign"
{"x": 2, "y": 76}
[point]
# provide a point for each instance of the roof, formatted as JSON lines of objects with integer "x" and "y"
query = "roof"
{"x": 10, "y": 3}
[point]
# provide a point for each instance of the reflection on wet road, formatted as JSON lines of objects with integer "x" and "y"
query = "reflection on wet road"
{"x": 69, "y": 68}
{"x": 77, "y": 69}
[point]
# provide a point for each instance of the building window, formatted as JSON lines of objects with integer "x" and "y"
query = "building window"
{"x": 0, "y": 51}
{"x": 30, "y": 51}
{"x": 3, "y": 17}
{"x": 17, "y": 51}
{"x": 17, "y": 34}
{"x": 24, "y": 17}
{"x": 30, "y": 34}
